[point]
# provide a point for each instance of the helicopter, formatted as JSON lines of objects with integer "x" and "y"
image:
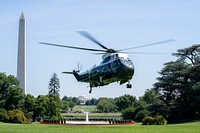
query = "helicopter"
{"x": 116, "y": 66}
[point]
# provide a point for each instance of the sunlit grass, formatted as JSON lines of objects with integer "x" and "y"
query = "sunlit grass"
{"x": 193, "y": 127}
{"x": 85, "y": 108}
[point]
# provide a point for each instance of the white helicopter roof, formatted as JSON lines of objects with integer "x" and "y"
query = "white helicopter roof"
{"x": 115, "y": 55}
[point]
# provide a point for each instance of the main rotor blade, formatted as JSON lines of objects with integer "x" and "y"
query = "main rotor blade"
{"x": 151, "y": 44}
{"x": 65, "y": 46}
{"x": 142, "y": 53}
{"x": 88, "y": 36}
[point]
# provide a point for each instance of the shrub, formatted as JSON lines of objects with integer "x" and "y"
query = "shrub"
{"x": 17, "y": 116}
{"x": 54, "y": 119}
{"x": 141, "y": 114}
{"x": 157, "y": 120}
{"x": 3, "y": 115}
{"x": 129, "y": 113}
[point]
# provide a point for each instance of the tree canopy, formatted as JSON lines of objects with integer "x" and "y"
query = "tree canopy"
{"x": 179, "y": 83}
{"x": 125, "y": 101}
{"x": 11, "y": 96}
{"x": 54, "y": 86}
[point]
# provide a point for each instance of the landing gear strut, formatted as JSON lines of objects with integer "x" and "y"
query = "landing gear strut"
{"x": 90, "y": 91}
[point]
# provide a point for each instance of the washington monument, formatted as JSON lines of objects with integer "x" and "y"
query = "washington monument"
{"x": 21, "y": 61}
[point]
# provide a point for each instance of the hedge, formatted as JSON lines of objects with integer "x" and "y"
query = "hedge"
{"x": 157, "y": 120}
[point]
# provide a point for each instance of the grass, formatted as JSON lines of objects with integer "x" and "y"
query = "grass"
{"x": 85, "y": 108}
{"x": 192, "y": 127}
{"x": 89, "y": 109}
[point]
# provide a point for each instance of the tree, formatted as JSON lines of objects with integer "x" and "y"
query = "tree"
{"x": 41, "y": 107}
{"x": 11, "y": 96}
{"x": 105, "y": 105}
{"x": 150, "y": 96}
{"x": 88, "y": 103}
{"x": 46, "y": 106}
{"x": 75, "y": 100}
{"x": 191, "y": 53}
{"x": 129, "y": 113}
{"x": 178, "y": 84}
{"x": 154, "y": 104}
{"x": 72, "y": 105}
{"x": 65, "y": 98}
{"x": 93, "y": 101}
{"x": 14, "y": 98}
{"x": 54, "y": 87}
{"x": 3, "y": 115}
{"x": 53, "y": 108}
{"x": 30, "y": 103}
{"x": 64, "y": 105}
{"x": 142, "y": 114}
{"x": 125, "y": 101}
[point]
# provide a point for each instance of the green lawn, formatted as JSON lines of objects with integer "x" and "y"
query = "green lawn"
{"x": 137, "y": 128}
{"x": 85, "y": 108}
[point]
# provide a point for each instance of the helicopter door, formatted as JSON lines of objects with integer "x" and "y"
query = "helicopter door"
{"x": 114, "y": 66}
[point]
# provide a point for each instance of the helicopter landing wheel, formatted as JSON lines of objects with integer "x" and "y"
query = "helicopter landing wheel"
{"x": 129, "y": 86}
{"x": 90, "y": 91}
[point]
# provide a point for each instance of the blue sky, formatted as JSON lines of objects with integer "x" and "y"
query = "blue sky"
{"x": 117, "y": 24}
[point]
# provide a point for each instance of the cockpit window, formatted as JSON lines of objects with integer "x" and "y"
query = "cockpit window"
{"x": 127, "y": 62}
{"x": 106, "y": 59}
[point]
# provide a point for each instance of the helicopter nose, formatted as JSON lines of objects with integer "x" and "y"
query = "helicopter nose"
{"x": 131, "y": 69}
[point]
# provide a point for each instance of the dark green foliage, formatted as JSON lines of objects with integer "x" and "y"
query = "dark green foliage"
{"x": 72, "y": 105}
{"x": 54, "y": 119}
{"x": 191, "y": 53}
{"x": 30, "y": 103}
{"x": 71, "y": 102}
{"x": 17, "y": 116}
{"x": 41, "y": 106}
{"x": 64, "y": 106}
{"x": 52, "y": 108}
{"x": 106, "y": 105}
{"x": 92, "y": 102}
{"x": 157, "y": 120}
{"x": 3, "y": 115}
{"x": 129, "y": 113}
{"x": 54, "y": 87}
{"x": 14, "y": 99}
{"x": 11, "y": 96}
{"x": 75, "y": 100}
{"x": 142, "y": 114}
{"x": 135, "y": 113}
{"x": 125, "y": 101}
{"x": 88, "y": 103}
{"x": 46, "y": 106}
{"x": 179, "y": 85}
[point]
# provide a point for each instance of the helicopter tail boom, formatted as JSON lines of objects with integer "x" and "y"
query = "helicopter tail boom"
{"x": 75, "y": 73}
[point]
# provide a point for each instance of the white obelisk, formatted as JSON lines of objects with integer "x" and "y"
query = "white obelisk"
{"x": 21, "y": 61}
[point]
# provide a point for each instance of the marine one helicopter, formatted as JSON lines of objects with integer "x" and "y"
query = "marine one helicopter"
{"x": 115, "y": 66}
